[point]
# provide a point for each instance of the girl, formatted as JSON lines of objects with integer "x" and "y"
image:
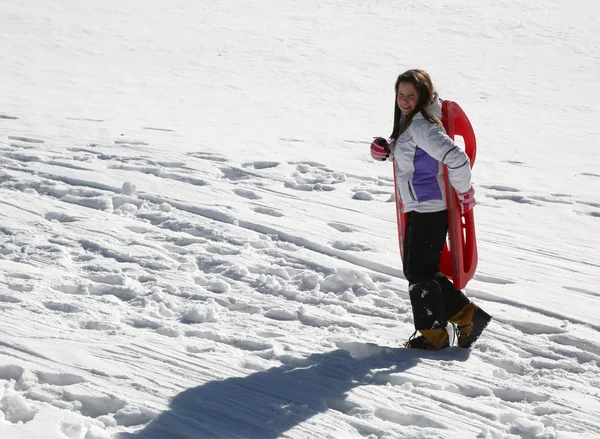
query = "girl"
{"x": 420, "y": 148}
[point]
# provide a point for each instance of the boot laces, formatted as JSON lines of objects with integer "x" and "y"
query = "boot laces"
{"x": 408, "y": 343}
{"x": 458, "y": 331}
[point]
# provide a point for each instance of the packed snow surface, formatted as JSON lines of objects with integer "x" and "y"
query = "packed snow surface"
{"x": 195, "y": 242}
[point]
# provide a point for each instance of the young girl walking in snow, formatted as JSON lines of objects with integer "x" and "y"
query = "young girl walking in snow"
{"x": 420, "y": 147}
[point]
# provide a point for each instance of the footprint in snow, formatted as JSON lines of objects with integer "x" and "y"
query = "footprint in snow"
{"x": 172, "y": 164}
{"x": 247, "y": 193}
{"x": 20, "y": 285}
{"x": 72, "y": 288}
{"x": 142, "y": 230}
{"x": 59, "y": 217}
{"x": 268, "y": 211}
{"x": 314, "y": 176}
{"x": 521, "y": 199}
{"x": 7, "y": 298}
{"x": 261, "y": 164}
{"x": 551, "y": 199}
{"x": 88, "y": 154}
{"x": 158, "y": 129}
{"x": 309, "y": 187}
{"x": 500, "y": 188}
{"x": 11, "y": 372}
{"x": 23, "y": 276}
{"x": 95, "y": 406}
{"x": 62, "y": 307}
{"x": 362, "y": 195}
{"x": 515, "y": 162}
{"x": 358, "y": 142}
{"x": 351, "y": 246}
{"x": 236, "y": 174}
{"x": 84, "y": 119}
{"x": 59, "y": 379}
{"x": 223, "y": 249}
{"x": 311, "y": 164}
{"x": 341, "y": 227}
{"x": 592, "y": 214}
{"x": 98, "y": 201}
{"x": 493, "y": 279}
{"x": 207, "y": 156}
{"x": 130, "y": 143}
{"x": 289, "y": 139}
{"x": 108, "y": 278}
{"x": 25, "y": 139}
{"x": 143, "y": 323}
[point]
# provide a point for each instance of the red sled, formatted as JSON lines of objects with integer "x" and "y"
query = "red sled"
{"x": 459, "y": 256}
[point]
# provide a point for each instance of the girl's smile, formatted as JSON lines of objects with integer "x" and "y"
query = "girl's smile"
{"x": 407, "y": 97}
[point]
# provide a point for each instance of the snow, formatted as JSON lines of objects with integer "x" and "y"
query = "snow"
{"x": 195, "y": 242}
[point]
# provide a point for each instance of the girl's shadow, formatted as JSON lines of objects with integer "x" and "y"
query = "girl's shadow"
{"x": 266, "y": 404}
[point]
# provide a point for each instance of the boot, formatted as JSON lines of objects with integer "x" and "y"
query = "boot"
{"x": 430, "y": 340}
{"x": 470, "y": 323}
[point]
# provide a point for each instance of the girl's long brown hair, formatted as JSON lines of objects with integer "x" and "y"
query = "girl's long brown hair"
{"x": 422, "y": 82}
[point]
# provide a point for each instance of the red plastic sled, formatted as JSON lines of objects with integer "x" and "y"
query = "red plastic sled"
{"x": 459, "y": 256}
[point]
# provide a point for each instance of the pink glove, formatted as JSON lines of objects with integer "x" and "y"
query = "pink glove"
{"x": 466, "y": 200}
{"x": 380, "y": 149}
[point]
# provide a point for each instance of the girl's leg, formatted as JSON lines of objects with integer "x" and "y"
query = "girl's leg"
{"x": 454, "y": 300}
{"x": 424, "y": 240}
{"x": 423, "y": 243}
{"x": 433, "y": 297}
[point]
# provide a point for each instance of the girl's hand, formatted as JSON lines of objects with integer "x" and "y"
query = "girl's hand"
{"x": 380, "y": 149}
{"x": 466, "y": 200}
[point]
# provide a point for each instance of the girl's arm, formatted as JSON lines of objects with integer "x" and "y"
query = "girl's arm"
{"x": 435, "y": 142}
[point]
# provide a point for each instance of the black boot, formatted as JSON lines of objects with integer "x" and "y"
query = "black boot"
{"x": 429, "y": 315}
{"x": 470, "y": 323}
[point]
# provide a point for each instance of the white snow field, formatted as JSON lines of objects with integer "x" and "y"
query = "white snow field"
{"x": 195, "y": 242}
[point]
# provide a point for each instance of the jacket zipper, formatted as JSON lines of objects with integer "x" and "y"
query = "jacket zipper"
{"x": 410, "y": 191}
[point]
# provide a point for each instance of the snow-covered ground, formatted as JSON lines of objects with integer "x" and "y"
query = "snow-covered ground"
{"x": 195, "y": 243}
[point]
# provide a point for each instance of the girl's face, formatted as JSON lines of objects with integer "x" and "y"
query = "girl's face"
{"x": 407, "y": 97}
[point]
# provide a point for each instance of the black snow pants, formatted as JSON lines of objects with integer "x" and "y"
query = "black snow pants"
{"x": 432, "y": 295}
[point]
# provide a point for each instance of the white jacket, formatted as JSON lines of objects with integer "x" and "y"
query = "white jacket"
{"x": 419, "y": 155}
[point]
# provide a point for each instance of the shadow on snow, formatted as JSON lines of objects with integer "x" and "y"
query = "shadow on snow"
{"x": 266, "y": 404}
